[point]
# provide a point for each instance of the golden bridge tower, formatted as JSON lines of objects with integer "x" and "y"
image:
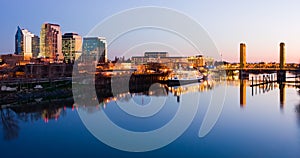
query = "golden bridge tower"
{"x": 243, "y": 74}
{"x": 242, "y": 55}
{"x": 282, "y": 55}
{"x": 281, "y": 74}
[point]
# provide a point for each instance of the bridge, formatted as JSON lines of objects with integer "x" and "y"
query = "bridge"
{"x": 244, "y": 71}
{"x": 261, "y": 69}
{"x": 264, "y": 83}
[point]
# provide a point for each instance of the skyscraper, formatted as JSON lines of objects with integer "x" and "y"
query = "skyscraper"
{"x": 19, "y": 42}
{"x": 23, "y": 43}
{"x": 96, "y": 47}
{"x": 71, "y": 46}
{"x": 51, "y": 42}
{"x": 35, "y": 46}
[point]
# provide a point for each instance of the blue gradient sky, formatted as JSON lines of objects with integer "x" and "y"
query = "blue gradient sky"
{"x": 262, "y": 25}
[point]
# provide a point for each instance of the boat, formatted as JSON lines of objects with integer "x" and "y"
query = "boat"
{"x": 38, "y": 87}
{"x": 38, "y": 100}
{"x": 8, "y": 89}
{"x": 183, "y": 77}
{"x": 3, "y": 88}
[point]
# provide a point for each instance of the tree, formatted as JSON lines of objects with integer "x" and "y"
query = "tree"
{"x": 9, "y": 124}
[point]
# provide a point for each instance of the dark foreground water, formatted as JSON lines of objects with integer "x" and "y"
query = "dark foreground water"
{"x": 265, "y": 124}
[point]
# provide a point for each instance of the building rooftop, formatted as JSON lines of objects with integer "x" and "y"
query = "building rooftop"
{"x": 70, "y": 34}
{"x": 91, "y": 37}
{"x": 156, "y": 53}
{"x": 52, "y": 24}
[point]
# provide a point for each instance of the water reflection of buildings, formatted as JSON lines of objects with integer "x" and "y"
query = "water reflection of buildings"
{"x": 45, "y": 110}
{"x": 105, "y": 95}
{"x": 119, "y": 92}
{"x": 49, "y": 114}
{"x": 31, "y": 112}
{"x": 198, "y": 87}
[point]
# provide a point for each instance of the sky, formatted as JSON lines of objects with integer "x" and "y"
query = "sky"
{"x": 262, "y": 25}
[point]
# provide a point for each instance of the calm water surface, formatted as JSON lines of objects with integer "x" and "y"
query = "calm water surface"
{"x": 263, "y": 124}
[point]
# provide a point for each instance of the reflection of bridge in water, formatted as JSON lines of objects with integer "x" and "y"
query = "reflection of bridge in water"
{"x": 265, "y": 83}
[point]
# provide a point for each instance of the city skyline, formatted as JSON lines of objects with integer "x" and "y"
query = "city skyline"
{"x": 72, "y": 41}
{"x": 258, "y": 24}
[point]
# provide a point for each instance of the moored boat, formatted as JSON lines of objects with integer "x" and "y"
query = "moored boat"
{"x": 184, "y": 77}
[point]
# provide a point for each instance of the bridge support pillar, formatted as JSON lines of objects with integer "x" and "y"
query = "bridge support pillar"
{"x": 243, "y": 74}
{"x": 281, "y": 76}
{"x": 282, "y": 56}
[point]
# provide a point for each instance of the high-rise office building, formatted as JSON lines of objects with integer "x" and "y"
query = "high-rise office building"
{"x": 35, "y": 46}
{"x": 95, "y": 47}
{"x": 23, "y": 43}
{"x": 71, "y": 46}
{"x": 19, "y": 42}
{"x": 51, "y": 42}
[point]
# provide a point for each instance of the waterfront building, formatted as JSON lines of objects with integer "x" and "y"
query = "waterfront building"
{"x": 51, "y": 42}
{"x": 170, "y": 61}
{"x": 51, "y": 70}
{"x": 71, "y": 47}
{"x": 209, "y": 62}
{"x": 197, "y": 61}
{"x": 23, "y": 43}
{"x": 139, "y": 60}
{"x": 35, "y": 46}
{"x": 11, "y": 59}
{"x": 95, "y": 47}
{"x": 149, "y": 57}
{"x": 156, "y": 54}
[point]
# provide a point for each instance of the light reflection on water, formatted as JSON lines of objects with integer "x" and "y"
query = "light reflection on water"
{"x": 259, "y": 121}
